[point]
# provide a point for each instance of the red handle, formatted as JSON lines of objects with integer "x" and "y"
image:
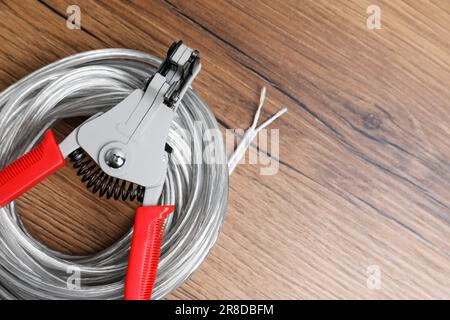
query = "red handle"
{"x": 145, "y": 251}
{"x": 30, "y": 169}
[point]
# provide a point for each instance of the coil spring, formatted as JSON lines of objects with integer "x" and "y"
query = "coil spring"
{"x": 97, "y": 181}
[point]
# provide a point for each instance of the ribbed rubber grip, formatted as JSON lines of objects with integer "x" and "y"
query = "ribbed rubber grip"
{"x": 30, "y": 169}
{"x": 145, "y": 251}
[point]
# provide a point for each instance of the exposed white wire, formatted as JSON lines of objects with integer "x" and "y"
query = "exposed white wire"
{"x": 252, "y": 132}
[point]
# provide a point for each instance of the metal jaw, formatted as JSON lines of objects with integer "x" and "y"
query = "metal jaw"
{"x": 128, "y": 141}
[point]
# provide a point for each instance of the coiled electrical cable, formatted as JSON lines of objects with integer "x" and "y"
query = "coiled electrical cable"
{"x": 82, "y": 85}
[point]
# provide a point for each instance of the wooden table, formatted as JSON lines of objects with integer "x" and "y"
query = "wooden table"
{"x": 363, "y": 188}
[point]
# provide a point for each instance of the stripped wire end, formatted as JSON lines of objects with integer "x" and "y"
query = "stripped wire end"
{"x": 252, "y": 132}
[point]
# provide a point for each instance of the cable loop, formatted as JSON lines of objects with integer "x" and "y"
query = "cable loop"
{"x": 82, "y": 85}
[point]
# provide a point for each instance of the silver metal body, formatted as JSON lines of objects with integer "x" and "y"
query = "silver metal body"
{"x": 131, "y": 137}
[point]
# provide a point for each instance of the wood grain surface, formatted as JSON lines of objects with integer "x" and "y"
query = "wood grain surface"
{"x": 364, "y": 174}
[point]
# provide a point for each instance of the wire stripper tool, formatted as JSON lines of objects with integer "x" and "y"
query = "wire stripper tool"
{"x": 112, "y": 151}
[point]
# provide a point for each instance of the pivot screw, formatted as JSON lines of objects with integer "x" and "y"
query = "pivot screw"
{"x": 115, "y": 158}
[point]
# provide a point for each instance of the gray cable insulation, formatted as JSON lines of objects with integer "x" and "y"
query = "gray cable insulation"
{"x": 82, "y": 85}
